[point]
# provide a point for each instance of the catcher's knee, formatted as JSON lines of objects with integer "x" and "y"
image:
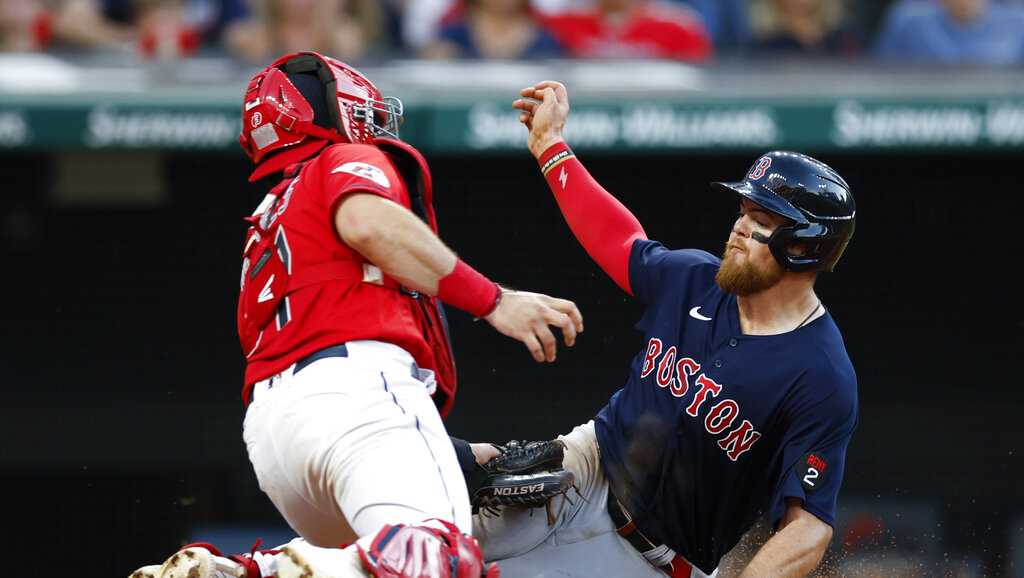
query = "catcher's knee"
{"x": 441, "y": 551}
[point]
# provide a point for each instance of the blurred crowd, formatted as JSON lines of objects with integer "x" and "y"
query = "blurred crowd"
{"x": 977, "y": 32}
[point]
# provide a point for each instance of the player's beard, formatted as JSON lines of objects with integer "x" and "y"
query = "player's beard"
{"x": 743, "y": 277}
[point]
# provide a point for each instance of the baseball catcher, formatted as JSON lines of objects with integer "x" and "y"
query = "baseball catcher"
{"x": 342, "y": 323}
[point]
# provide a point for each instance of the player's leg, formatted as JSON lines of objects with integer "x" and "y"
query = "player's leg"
{"x": 418, "y": 476}
{"x": 363, "y": 448}
{"x": 395, "y": 552}
{"x": 299, "y": 432}
{"x": 303, "y": 560}
{"x": 582, "y": 537}
{"x": 606, "y": 552}
{"x": 433, "y": 550}
{"x": 309, "y": 518}
{"x": 272, "y": 450}
{"x": 203, "y": 560}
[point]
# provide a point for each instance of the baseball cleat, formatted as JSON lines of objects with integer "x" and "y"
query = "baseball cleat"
{"x": 147, "y": 572}
{"x": 302, "y": 560}
{"x": 292, "y": 564}
{"x": 201, "y": 562}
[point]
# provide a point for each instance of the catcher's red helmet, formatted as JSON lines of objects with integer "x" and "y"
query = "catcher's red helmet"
{"x": 277, "y": 116}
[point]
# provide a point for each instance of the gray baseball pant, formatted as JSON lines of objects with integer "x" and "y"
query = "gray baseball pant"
{"x": 582, "y": 541}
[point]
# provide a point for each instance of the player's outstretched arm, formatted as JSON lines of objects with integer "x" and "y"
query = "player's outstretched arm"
{"x": 604, "y": 227}
{"x": 403, "y": 247}
{"x": 796, "y": 548}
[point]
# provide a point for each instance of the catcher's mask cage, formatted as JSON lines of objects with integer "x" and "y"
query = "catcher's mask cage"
{"x": 813, "y": 197}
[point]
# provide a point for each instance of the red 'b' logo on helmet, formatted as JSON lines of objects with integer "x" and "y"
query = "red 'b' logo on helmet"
{"x": 760, "y": 168}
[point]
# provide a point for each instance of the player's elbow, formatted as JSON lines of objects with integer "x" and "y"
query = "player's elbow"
{"x": 812, "y": 533}
{"x": 359, "y": 236}
{"x": 819, "y": 538}
{"x": 826, "y": 537}
{"x": 359, "y": 222}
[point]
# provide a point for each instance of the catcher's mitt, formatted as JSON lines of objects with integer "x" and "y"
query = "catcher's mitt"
{"x": 525, "y": 474}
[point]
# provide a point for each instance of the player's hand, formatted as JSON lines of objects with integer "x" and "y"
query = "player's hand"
{"x": 528, "y": 317}
{"x": 544, "y": 109}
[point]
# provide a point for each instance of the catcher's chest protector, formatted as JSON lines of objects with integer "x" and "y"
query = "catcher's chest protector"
{"x": 266, "y": 266}
{"x": 268, "y": 276}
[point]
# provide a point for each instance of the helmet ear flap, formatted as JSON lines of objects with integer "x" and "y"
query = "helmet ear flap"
{"x": 802, "y": 234}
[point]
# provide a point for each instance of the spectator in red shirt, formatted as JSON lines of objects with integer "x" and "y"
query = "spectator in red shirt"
{"x": 633, "y": 29}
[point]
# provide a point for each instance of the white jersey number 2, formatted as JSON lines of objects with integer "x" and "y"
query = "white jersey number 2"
{"x": 812, "y": 474}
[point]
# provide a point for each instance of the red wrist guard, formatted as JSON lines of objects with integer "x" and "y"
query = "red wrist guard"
{"x": 555, "y": 155}
{"x": 468, "y": 290}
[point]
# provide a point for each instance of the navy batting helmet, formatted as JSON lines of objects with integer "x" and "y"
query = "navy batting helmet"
{"x": 813, "y": 196}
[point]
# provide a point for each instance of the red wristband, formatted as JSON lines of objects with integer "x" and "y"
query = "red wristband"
{"x": 555, "y": 155}
{"x": 468, "y": 290}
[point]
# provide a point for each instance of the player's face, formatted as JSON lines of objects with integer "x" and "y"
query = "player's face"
{"x": 748, "y": 265}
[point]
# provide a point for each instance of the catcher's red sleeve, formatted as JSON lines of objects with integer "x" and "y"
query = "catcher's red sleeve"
{"x": 604, "y": 227}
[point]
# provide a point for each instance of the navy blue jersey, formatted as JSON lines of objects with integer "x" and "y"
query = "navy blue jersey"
{"x": 715, "y": 428}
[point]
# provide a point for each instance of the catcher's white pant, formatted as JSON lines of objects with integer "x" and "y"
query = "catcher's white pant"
{"x": 582, "y": 543}
{"x": 349, "y": 444}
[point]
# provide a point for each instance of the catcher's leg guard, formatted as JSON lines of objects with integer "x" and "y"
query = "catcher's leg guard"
{"x": 425, "y": 552}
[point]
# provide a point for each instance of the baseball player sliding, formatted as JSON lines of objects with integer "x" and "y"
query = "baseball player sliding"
{"x": 349, "y": 367}
{"x": 742, "y": 402}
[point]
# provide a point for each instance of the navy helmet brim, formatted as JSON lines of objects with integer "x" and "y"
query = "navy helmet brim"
{"x": 763, "y": 197}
